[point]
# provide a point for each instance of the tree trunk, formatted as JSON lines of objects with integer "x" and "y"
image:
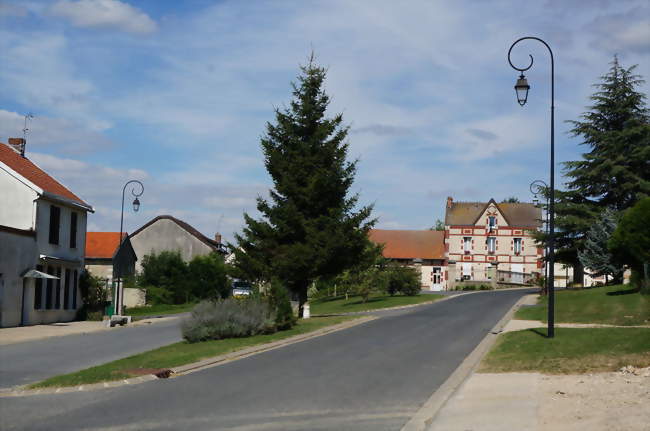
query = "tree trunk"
{"x": 302, "y": 299}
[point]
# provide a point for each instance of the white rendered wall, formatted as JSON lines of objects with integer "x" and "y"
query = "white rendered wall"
{"x": 16, "y": 202}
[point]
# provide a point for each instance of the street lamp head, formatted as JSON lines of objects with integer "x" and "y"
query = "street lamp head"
{"x": 522, "y": 87}
{"x": 536, "y": 201}
{"x": 136, "y": 205}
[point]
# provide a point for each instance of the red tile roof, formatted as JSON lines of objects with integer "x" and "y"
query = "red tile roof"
{"x": 31, "y": 172}
{"x": 102, "y": 245}
{"x": 410, "y": 244}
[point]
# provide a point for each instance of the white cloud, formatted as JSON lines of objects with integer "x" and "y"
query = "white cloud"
{"x": 62, "y": 135}
{"x": 104, "y": 14}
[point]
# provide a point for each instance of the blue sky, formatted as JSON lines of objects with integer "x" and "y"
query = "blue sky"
{"x": 177, "y": 94}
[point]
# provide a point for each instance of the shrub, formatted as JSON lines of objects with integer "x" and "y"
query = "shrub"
{"x": 402, "y": 279}
{"x": 281, "y": 306}
{"x": 168, "y": 273}
{"x": 207, "y": 277}
{"x": 228, "y": 318}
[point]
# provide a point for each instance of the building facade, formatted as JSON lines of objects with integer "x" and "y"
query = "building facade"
{"x": 481, "y": 240}
{"x": 421, "y": 249}
{"x": 42, "y": 241}
{"x": 167, "y": 233}
{"x": 479, "y": 235}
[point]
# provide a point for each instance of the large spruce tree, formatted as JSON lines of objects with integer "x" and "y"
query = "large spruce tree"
{"x": 615, "y": 171}
{"x": 311, "y": 226}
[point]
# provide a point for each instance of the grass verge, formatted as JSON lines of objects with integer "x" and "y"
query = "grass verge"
{"x": 339, "y": 304}
{"x": 159, "y": 310}
{"x": 180, "y": 353}
{"x": 571, "y": 351}
{"x": 612, "y": 305}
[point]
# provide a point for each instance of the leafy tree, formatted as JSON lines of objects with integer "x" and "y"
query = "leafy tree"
{"x": 440, "y": 225}
{"x": 615, "y": 171}
{"x": 630, "y": 242}
{"x": 279, "y": 302}
{"x": 207, "y": 277}
{"x": 511, "y": 200}
{"x": 595, "y": 255}
{"x": 165, "y": 278}
{"x": 93, "y": 293}
{"x": 403, "y": 279}
{"x": 310, "y": 227}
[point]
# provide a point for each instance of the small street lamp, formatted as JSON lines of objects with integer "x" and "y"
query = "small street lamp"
{"x": 539, "y": 187}
{"x": 119, "y": 297}
{"x": 521, "y": 88}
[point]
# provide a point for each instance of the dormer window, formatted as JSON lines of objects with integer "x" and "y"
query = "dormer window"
{"x": 492, "y": 223}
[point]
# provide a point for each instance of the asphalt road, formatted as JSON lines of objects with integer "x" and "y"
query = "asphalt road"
{"x": 374, "y": 376}
{"x": 36, "y": 360}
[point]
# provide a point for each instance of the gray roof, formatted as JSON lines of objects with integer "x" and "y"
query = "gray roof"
{"x": 518, "y": 214}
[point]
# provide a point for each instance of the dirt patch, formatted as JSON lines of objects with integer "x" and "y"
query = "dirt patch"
{"x": 614, "y": 401}
{"x": 161, "y": 373}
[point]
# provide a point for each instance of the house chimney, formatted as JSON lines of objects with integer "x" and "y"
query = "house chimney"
{"x": 450, "y": 200}
{"x": 217, "y": 237}
{"x": 18, "y": 145}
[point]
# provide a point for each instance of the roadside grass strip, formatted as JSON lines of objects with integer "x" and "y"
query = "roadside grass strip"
{"x": 159, "y": 310}
{"x": 571, "y": 351}
{"x": 339, "y": 305}
{"x": 617, "y": 305}
{"x": 180, "y": 353}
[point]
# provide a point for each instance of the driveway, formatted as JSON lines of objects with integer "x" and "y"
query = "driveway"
{"x": 373, "y": 376}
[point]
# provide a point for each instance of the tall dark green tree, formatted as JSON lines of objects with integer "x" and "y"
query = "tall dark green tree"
{"x": 595, "y": 253}
{"x": 615, "y": 171}
{"x": 311, "y": 226}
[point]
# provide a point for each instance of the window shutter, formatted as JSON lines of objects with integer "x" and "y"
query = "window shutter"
{"x": 73, "y": 230}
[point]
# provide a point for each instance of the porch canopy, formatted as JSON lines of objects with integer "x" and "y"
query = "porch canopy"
{"x": 32, "y": 273}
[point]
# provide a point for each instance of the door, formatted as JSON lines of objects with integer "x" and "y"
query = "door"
{"x": 517, "y": 273}
{"x": 436, "y": 278}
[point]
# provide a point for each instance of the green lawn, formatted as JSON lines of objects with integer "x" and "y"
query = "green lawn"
{"x": 338, "y": 304}
{"x": 158, "y": 310}
{"x": 613, "y": 305}
{"x": 181, "y": 353}
{"x": 572, "y": 350}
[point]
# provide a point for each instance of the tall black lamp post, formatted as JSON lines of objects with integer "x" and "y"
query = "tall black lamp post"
{"x": 539, "y": 187}
{"x": 521, "y": 88}
{"x": 136, "y": 206}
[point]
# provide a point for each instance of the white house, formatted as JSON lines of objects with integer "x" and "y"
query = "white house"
{"x": 167, "y": 233}
{"x": 42, "y": 242}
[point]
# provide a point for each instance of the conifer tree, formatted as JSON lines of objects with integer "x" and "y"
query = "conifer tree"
{"x": 595, "y": 254}
{"x": 311, "y": 227}
{"x": 615, "y": 171}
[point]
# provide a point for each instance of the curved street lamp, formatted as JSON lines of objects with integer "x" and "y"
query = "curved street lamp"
{"x": 539, "y": 187}
{"x": 521, "y": 88}
{"x": 136, "y": 207}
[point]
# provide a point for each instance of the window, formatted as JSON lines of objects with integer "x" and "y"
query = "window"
{"x": 491, "y": 243}
{"x": 55, "y": 221}
{"x": 48, "y": 289}
{"x": 38, "y": 290}
{"x": 74, "y": 290}
{"x": 517, "y": 245}
{"x": 492, "y": 223}
{"x": 66, "y": 290}
{"x": 467, "y": 244}
{"x": 57, "y": 292}
{"x": 73, "y": 230}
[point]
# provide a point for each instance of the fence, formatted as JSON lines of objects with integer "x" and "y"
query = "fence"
{"x": 515, "y": 277}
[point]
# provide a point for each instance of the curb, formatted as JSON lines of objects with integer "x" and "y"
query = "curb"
{"x": 214, "y": 361}
{"x": 425, "y": 416}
